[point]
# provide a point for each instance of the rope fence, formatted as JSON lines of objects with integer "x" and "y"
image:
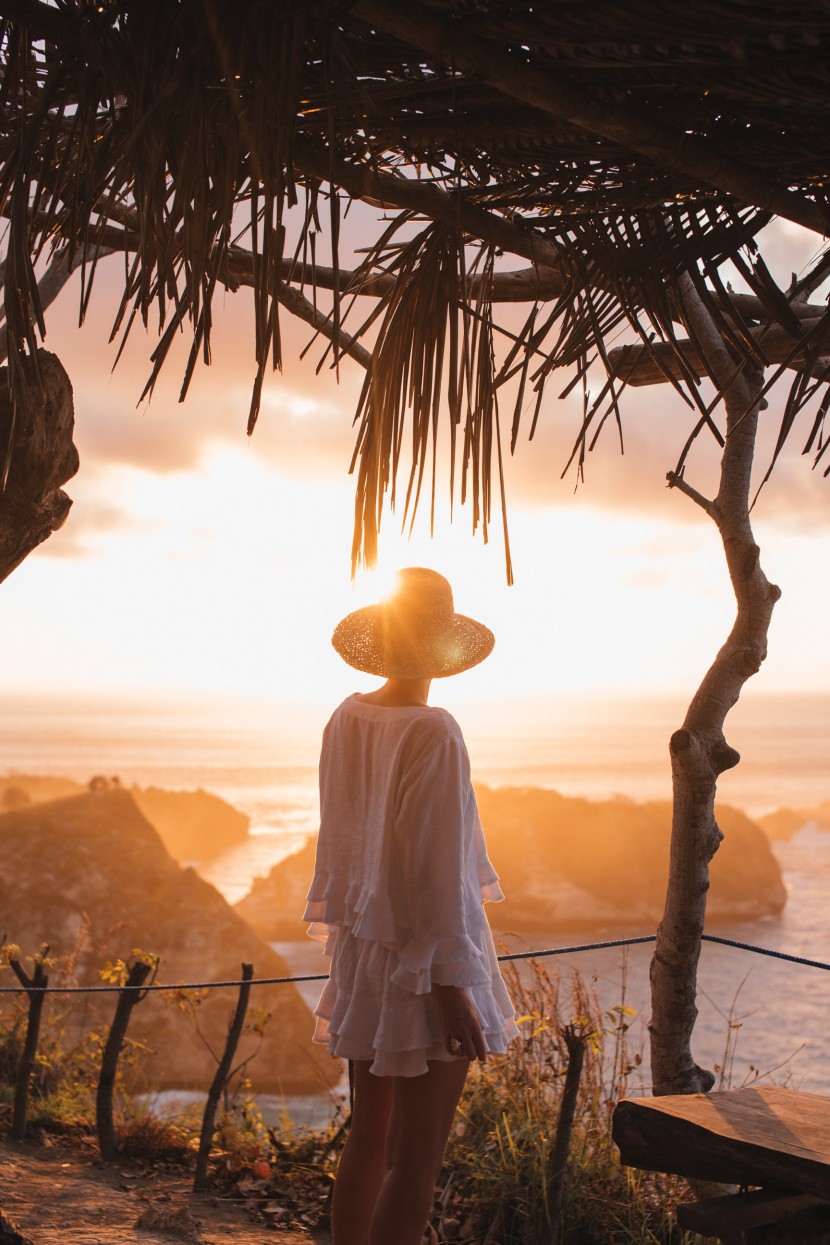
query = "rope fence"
{"x": 307, "y": 977}
{"x": 134, "y": 989}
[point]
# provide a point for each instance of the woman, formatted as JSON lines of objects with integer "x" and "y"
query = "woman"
{"x": 414, "y": 992}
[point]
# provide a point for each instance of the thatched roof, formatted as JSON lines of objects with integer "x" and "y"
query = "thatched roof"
{"x": 611, "y": 148}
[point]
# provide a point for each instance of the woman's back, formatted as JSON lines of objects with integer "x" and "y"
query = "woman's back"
{"x": 400, "y": 883}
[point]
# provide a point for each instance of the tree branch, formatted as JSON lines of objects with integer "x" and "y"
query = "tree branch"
{"x": 730, "y": 379}
{"x": 522, "y": 285}
{"x": 239, "y": 268}
{"x": 699, "y": 750}
{"x": 300, "y": 306}
{"x": 676, "y": 480}
{"x": 55, "y": 277}
{"x": 385, "y": 189}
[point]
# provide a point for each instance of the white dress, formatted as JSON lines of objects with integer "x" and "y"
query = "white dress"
{"x": 401, "y": 878}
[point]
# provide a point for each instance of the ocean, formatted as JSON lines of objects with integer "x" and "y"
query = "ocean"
{"x": 758, "y": 1016}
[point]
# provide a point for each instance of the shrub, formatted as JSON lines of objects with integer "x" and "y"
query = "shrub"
{"x": 498, "y": 1164}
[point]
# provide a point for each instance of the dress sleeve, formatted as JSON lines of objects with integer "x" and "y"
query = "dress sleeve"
{"x": 441, "y": 907}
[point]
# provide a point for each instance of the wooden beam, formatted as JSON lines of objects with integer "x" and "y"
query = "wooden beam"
{"x": 513, "y": 286}
{"x": 643, "y": 365}
{"x": 738, "y": 1212}
{"x": 751, "y": 308}
{"x": 762, "y": 1135}
{"x": 454, "y": 43}
{"x": 520, "y": 285}
{"x": 640, "y": 365}
{"x": 361, "y": 181}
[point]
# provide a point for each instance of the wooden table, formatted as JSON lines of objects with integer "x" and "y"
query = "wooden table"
{"x": 764, "y": 1136}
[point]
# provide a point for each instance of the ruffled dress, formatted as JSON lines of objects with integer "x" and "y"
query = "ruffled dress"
{"x": 401, "y": 878}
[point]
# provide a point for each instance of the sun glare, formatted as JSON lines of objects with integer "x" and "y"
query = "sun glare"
{"x": 379, "y": 581}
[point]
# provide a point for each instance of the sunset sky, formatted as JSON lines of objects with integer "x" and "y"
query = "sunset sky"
{"x": 198, "y": 562}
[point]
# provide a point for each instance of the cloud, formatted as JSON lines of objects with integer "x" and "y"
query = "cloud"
{"x": 298, "y": 430}
{"x": 789, "y": 250}
{"x": 305, "y": 417}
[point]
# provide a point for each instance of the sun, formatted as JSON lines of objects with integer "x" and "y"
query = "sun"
{"x": 379, "y": 581}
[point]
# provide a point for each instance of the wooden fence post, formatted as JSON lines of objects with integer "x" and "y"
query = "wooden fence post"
{"x": 34, "y": 987}
{"x": 558, "y": 1166}
{"x": 128, "y": 996}
{"x": 220, "y": 1080}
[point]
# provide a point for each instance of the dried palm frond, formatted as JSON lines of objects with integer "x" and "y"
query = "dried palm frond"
{"x": 614, "y": 161}
{"x": 433, "y": 347}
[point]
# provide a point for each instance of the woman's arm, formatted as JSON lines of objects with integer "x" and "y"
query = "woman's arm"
{"x": 460, "y": 1020}
{"x": 432, "y": 836}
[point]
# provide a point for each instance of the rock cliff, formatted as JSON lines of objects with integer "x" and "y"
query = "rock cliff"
{"x": 572, "y": 864}
{"x": 569, "y": 864}
{"x": 275, "y": 904}
{"x": 21, "y": 790}
{"x": 94, "y": 859}
{"x": 785, "y": 822}
{"x": 194, "y": 825}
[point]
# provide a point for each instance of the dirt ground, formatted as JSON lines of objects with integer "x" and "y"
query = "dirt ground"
{"x": 58, "y": 1194}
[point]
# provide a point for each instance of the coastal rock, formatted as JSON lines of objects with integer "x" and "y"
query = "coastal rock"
{"x": 275, "y": 904}
{"x": 195, "y": 826}
{"x": 20, "y": 790}
{"x": 785, "y": 822}
{"x": 91, "y": 877}
{"x": 568, "y": 864}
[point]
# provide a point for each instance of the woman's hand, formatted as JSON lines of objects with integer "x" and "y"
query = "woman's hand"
{"x": 462, "y": 1031}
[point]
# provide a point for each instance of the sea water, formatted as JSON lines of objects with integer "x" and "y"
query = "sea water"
{"x": 758, "y": 1016}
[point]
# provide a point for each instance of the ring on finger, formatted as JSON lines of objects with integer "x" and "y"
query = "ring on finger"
{"x": 455, "y": 1046}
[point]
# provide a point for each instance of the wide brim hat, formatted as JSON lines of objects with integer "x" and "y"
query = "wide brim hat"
{"x": 414, "y": 633}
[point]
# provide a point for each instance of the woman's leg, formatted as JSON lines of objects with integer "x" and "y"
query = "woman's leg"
{"x": 422, "y": 1113}
{"x": 362, "y": 1166}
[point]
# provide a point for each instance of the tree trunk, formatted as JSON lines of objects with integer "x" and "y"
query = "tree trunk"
{"x": 43, "y": 457}
{"x": 128, "y": 997}
{"x": 220, "y": 1080}
{"x": 699, "y": 751}
{"x": 34, "y": 987}
{"x": 575, "y": 1042}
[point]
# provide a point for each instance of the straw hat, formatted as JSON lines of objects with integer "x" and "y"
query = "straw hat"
{"x": 414, "y": 633}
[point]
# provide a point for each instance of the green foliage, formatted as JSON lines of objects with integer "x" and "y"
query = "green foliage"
{"x": 59, "y": 1088}
{"x": 499, "y": 1159}
{"x": 145, "y": 1133}
{"x": 116, "y": 972}
{"x": 8, "y": 951}
{"x": 241, "y": 1137}
{"x": 63, "y": 1086}
{"x": 498, "y": 1168}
